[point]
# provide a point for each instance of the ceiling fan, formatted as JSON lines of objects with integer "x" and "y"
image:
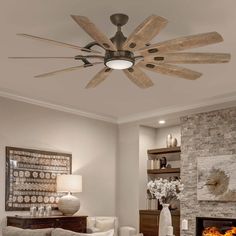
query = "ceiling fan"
{"x": 135, "y": 52}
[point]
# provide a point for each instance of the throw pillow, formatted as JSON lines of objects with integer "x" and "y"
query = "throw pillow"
{"x": 63, "y": 232}
{"x": 14, "y": 231}
{"x": 105, "y": 224}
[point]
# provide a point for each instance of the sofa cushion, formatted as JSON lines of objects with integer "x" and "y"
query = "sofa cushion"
{"x": 14, "y": 231}
{"x": 63, "y": 232}
{"x": 106, "y": 222}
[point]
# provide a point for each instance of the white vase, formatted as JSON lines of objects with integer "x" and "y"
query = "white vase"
{"x": 165, "y": 220}
{"x": 168, "y": 140}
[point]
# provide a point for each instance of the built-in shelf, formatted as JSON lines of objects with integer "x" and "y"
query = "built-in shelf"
{"x": 164, "y": 171}
{"x": 164, "y": 150}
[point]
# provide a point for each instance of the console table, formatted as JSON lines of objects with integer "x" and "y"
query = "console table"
{"x": 73, "y": 223}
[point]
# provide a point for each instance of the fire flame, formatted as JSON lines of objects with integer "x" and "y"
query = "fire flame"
{"x": 213, "y": 231}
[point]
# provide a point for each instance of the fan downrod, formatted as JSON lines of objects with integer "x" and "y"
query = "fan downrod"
{"x": 119, "y": 19}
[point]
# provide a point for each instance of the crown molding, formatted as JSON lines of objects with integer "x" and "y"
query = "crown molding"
{"x": 58, "y": 107}
{"x": 125, "y": 119}
{"x": 225, "y": 101}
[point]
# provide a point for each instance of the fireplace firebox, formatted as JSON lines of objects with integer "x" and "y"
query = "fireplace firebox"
{"x": 215, "y": 226}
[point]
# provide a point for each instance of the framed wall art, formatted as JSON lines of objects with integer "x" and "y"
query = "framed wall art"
{"x": 216, "y": 178}
{"x": 31, "y": 177}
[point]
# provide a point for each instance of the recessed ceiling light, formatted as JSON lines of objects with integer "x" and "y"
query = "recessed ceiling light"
{"x": 161, "y": 122}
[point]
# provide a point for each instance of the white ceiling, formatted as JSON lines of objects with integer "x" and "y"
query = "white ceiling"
{"x": 117, "y": 97}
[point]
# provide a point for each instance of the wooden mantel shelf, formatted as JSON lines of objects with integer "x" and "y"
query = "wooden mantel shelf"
{"x": 164, "y": 171}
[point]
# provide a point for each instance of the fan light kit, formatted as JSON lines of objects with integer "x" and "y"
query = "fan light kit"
{"x": 135, "y": 53}
{"x": 119, "y": 64}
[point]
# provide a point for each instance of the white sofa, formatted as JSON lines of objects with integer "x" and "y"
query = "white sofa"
{"x": 96, "y": 226}
{"x": 105, "y": 223}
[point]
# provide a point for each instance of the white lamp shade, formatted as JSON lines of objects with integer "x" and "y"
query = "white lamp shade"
{"x": 69, "y": 183}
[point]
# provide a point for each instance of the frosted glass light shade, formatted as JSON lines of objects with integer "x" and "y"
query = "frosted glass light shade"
{"x": 69, "y": 183}
{"x": 119, "y": 64}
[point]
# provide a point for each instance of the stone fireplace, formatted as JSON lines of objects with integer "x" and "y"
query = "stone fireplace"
{"x": 205, "y": 135}
{"x": 209, "y": 226}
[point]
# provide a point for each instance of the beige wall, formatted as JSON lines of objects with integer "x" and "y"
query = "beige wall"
{"x": 92, "y": 143}
{"x": 147, "y": 140}
{"x": 128, "y": 175}
{"x": 111, "y": 159}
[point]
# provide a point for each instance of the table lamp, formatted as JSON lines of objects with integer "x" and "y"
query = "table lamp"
{"x": 69, "y": 204}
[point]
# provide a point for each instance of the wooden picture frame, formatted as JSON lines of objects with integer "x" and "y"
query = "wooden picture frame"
{"x": 31, "y": 177}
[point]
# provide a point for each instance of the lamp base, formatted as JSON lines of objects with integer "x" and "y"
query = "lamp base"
{"x": 68, "y": 204}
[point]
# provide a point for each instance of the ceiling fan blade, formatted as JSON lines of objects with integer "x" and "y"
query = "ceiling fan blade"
{"x": 41, "y": 57}
{"x": 94, "y": 32}
{"x": 57, "y": 43}
{"x": 170, "y": 70}
{"x": 138, "y": 77}
{"x": 99, "y": 77}
{"x": 65, "y": 70}
{"x": 182, "y": 43}
{"x": 189, "y": 58}
{"x": 145, "y": 32}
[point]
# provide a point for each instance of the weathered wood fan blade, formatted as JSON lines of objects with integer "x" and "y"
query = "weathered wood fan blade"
{"x": 41, "y": 57}
{"x": 65, "y": 70}
{"x": 170, "y": 70}
{"x": 190, "y": 58}
{"x": 99, "y": 77}
{"x": 94, "y": 32}
{"x": 182, "y": 43}
{"x": 145, "y": 32}
{"x": 57, "y": 43}
{"x": 138, "y": 77}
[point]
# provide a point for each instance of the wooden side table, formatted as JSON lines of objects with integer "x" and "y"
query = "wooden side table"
{"x": 73, "y": 223}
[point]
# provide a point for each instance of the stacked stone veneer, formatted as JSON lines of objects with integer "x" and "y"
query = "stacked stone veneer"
{"x": 205, "y": 134}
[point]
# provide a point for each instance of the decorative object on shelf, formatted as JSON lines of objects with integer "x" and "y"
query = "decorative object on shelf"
{"x": 174, "y": 142}
{"x": 150, "y": 164}
{"x": 216, "y": 178}
{"x": 153, "y": 164}
{"x": 169, "y": 140}
{"x": 168, "y": 166}
{"x": 163, "y": 162}
{"x": 48, "y": 211}
{"x": 31, "y": 177}
{"x": 33, "y": 211}
{"x": 41, "y": 211}
{"x": 165, "y": 191}
{"x": 157, "y": 164}
{"x": 69, "y": 204}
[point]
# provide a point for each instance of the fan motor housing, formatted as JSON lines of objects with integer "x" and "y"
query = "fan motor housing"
{"x": 119, "y": 55}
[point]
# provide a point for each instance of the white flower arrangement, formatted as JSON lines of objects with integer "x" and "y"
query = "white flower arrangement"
{"x": 165, "y": 190}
